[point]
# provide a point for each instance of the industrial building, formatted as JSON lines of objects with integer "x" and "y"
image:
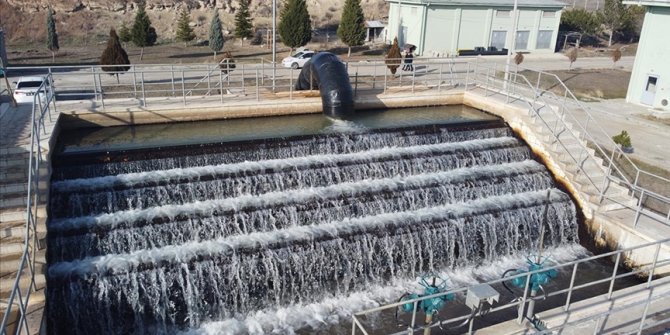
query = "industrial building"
{"x": 442, "y": 27}
{"x": 650, "y": 81}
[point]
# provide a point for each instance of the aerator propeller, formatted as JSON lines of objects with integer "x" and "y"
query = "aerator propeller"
{"x": 430, "y": 306}
{"x": 537, "y": 280}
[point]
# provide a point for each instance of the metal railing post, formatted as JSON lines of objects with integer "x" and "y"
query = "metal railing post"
{"x": 95, "y": 84}
{"x": 244, "y": 92}
{"x": 653, "y": 265}
{"x": 614, "y": 272}
{"x": 410, "y": 330}
{"x": 413, "y": 79}
{"x": 374, "y": 75}
{"x": 439, "y": 81}
{"x": 144, "y": 97}
{"x": 221, "y": 85}
{"x": 638, "y": 209}
{"x": 522, "y": 304}
{"x": 134, "y": 82}
{"x": 172, "y": 77}
{"x": 102, "y": 96}
{"x": 355, "y": 84}
{"x": 258, "y": 96}
{"x": 183, "y": 88}
{"x": 467, "y": 76}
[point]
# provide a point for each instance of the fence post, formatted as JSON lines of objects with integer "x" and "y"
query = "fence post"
{"x": 183, "y": 88}
{"x": 258, "y": 97}
{"x": 290, "y": 84}
{"x": 134, "y": 83}
{"x": 144, "y": 96}
{"x": 95, "y": 84}
{"x": 244, "y": 92}
{"x": 172, "y": 77}
{"x": 467, "y": 76}
{"x": 209, "y": 84}
{"x": 102, "y": 97}
{"x": 374, "y": 75}
{"x": 356, "y": 84}
{"x": 616, "y": 268}
{"x": 522, "y": 304}
{"x": 572, "y": 285}
{"x": 638, "y": 209}
{"x": 439, "y": 81}
{"x": 221, "y": 85}
{"x": 413, "y": 79}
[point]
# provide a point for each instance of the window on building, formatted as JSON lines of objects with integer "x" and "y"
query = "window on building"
{"x": 544, "y": 39}
{"x": 521, "y": 40}
{"x": 651, "y": 84}
{"x": 548, "y": 14}
{"x": 498, "y": 38}
{"x": 503, "y": 13}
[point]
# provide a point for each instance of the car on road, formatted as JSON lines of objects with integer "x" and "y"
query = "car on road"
{"x": 26, "y": 88}
{"x": 298, "y": 60}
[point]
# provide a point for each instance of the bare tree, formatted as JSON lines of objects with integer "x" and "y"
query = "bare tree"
{"x": 616, "y": 55}
{"x": 572, "y": 56}
{"x": 518, "y": 59}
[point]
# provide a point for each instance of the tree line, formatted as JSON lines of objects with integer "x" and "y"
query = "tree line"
{"x": 295, "y": 29}
{"x": 615, "y": 19}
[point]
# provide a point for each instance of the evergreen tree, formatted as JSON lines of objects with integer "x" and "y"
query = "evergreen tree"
{"x": 184, "y": 31}
{"x": 295, "y": 29}
{"x": 124, "y": 33}
{"x": 215, "y": 34}
{"x": 115, "y": 56}
{"x": 352, "y": 25}
{"x": 143, "y": 34}
{"x": 393, "y": 58}
{"x": 243, "y": 26}
{"x": 52, "y": 35}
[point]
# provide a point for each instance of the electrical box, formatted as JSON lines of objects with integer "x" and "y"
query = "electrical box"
{"x": 479, "y": 294}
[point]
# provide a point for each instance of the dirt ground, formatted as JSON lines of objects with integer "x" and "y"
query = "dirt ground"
{"x": 586, "y": 84}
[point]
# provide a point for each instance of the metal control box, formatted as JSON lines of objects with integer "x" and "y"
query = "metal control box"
{"x": 481, "y": 293}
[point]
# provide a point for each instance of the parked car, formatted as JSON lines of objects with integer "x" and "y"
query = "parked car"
{"x": 26, "y": 88}
{"x": 298, "y": 60}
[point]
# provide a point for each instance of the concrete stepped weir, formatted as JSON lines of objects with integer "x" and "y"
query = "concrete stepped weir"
{"x": 608, "y": 219}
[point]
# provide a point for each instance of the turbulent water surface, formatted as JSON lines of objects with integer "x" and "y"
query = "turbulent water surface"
{"x": 279, "y": 234}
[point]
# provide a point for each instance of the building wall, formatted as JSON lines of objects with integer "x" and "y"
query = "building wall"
{"x": 651, "y": 60}
{"x": 440, "y": 30}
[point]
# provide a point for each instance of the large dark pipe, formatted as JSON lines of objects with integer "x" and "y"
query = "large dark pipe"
{"x": 328, "y": 74}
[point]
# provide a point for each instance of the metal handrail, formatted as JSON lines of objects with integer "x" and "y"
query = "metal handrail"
{"x": 650, "y": 268}
{"x": 539, "y": 94}
{"x": 18, "y": 298}
{"x": 597, "y": 126}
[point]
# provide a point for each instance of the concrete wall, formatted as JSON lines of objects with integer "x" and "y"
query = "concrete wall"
{"x": 439, "y": 30}
{"x": 652, "y": 60}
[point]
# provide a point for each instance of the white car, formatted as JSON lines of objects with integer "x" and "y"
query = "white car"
{"x": 26, "y": 88}
{"x": 298, "y": 60}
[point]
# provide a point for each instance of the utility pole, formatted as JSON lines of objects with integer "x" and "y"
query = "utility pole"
{"x": 274, "y": 43}
{"x": 510, "y": 51}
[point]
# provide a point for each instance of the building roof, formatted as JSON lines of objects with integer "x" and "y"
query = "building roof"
{"x": 658, "y": 3}
{"x": 374, "y": 24}
{"x": 487, "y": 3}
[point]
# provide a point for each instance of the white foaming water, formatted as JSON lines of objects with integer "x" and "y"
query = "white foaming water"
{"x": 336, "y": 310}
{"x": 344, "y": 126}
{"x": 116, "y": 263}
{"x": 295, "y": 196}
{"x": 194, "y": 173}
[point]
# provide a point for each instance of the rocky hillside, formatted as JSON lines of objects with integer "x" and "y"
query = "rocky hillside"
{"x": 89, "y": 21}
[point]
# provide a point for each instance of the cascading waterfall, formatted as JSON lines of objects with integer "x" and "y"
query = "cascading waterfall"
{"x": 172, "y": 241}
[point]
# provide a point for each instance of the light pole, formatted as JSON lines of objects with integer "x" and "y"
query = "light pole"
{"x": 274, "y": 43}
{"x": 510, "y": 51}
